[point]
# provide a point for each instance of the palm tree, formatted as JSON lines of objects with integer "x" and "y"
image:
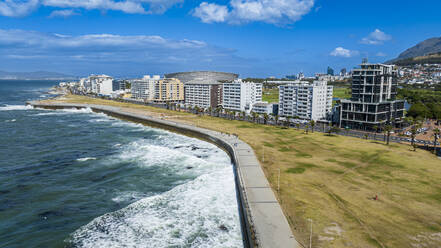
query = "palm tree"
{"x": 413, "y": 133}
{"x": 288, "y": 120}
{"x": 254, "y": 114}
{"x": 387, "y": 130}
{"x": 375, "y": 131}
{"x": 196, "y": 109}
{"x": 333, "y": 129}
{"x": 312, "y": 124}
{"x": 265, "y": 118}
{"x": 298, "y": 126}
{"x": 306, "y": 128}
{"x": 436, "y": 133}
{"x": 276, "y": 118}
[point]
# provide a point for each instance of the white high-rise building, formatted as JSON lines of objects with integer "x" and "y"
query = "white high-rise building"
{"x": 144, "y": 89}
{"x": 240, "y": 95}
{"x": 98, "y": 84}
{"x": 311, "y": 101}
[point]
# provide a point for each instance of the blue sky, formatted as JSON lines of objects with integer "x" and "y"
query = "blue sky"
{"x": 255, "y": 38}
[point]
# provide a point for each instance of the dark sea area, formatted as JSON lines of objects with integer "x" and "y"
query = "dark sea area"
{"x": 74, "y": 178}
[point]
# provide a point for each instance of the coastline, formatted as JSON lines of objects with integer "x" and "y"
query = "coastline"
{"x": 263, "y": 221}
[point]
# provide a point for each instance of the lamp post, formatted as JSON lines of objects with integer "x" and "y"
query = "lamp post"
{"x": 278, "y": 181}
{"x": 310, "y": 235}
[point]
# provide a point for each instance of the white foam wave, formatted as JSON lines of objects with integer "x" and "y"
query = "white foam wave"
{"x": 49, "y": 112}
{"x": 100, "y": 120}
{"x": 75, "y": 110}
{"x": 200, "y": 213}
{"x": 85, "y": 159}
{"x": 146, "y": 153}
{"x": 128, "y": 196}
{"x": 13, "y": 120}
{"x": 15, "y": 107}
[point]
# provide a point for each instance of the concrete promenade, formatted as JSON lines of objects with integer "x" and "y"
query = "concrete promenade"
{"x": 263, "y": 222}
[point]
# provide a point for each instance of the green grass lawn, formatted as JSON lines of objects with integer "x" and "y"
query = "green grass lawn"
{"x": 270, "y": 95}
{"x": 333, "y": 180}
{"x": 342, "y": 92}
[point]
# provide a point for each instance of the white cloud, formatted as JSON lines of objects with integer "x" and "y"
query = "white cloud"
{"x": 92, "y": 53}
{"x": 18, "y": 38}
{"x": 63, "y": 13}
{"x": 376, "y": 38}
{"x": 14, "y": 8}
{"x": 342, "y": 52}
{"x": 211, "y": 12}
{"x": 381, "y": 54}
{"x": 244, "y": 11}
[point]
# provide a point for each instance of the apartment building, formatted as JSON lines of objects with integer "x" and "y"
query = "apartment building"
{"x": 155, "y": 89}
{"x": 373, "y": 101}
{"x": 97, "y": 84}
{"x": 145, "y": 89}
{"x": 311, "y": 101}
{"x": 266, "y": 108}
{"x": 203, "y": 94}
{"x": 170, "y": 89}
{"x": 241, "y": 96}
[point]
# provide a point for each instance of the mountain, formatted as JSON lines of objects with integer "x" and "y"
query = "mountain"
{"x": 34, "y": 75}
{"x": 433, "y": 58}
{"x": 423, "y": 49}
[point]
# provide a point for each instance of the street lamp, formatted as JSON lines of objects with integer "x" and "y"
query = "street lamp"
{"x": 310, "y": 235}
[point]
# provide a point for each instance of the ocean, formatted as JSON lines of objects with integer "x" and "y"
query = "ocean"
{"x": 74, "y": 178}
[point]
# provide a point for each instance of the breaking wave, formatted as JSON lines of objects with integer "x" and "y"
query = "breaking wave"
{"x": 15, "y": 107}
{"x": 200, "y": 213}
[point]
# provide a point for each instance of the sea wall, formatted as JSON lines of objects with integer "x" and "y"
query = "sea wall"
{"x": 262, "y": 219}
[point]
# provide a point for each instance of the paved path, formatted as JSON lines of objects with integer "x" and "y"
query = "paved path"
{"x": 263, "y": 221}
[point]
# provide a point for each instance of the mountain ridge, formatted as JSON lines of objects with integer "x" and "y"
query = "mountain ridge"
{"x": 34, "y": 75}
{"x": 426, "y": 48}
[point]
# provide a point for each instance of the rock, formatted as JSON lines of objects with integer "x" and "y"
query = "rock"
{"x": 223, "y": 228}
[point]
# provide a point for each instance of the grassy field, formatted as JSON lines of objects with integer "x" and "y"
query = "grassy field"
{"x": 270, "y": 95}
{"x": 342, "y": 92}
{"x": 332, "y": 180}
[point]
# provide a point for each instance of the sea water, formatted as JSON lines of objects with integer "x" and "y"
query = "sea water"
{"x": 74, "y": 178}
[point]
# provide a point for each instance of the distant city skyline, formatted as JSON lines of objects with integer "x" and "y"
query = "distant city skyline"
{"x": 253, "y": 38}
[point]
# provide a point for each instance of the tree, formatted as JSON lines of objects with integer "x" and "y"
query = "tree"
{"x": 413, "y": 132}
{"x": 419, "y": 110}
{"x": 375, "y": 133}
{"x": 298, "y": 126}
{"x": 306, "y": 128}
{"x": 255, "y": 115}
{"x": 265, "y": 118}
{"x": 333, "y": 129}
{"x": 436, "y": 133}
{"x": 288, "y": 120}
{"x": 276, "y": 118}
{"x": 387, "y": 130}
{"x": 312, "y": 124}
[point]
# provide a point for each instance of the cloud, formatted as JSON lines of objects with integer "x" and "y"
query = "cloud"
{"x": 245, "y": 11}
{"x": 63, "y": 13}
{"x": 110, "y": 53}
{"x": 342, "y": 52}
{"x": 211, "y": 12}
{"x": 376, "y": 38}
{"x": 13, "y": 8}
